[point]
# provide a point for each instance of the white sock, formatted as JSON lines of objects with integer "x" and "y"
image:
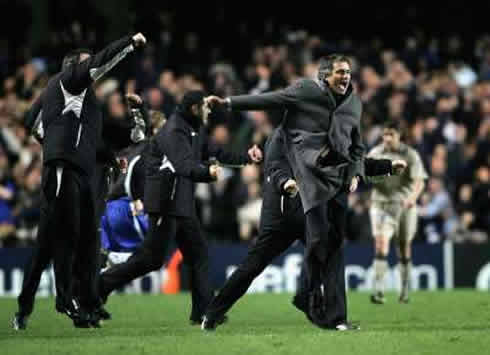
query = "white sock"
{"x": 380, "y": 266}
{"x": 405, "y": 270}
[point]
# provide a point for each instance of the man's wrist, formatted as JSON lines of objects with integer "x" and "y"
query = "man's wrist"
{"x": 228, "y": 103}
{"x": 133, "y": 41}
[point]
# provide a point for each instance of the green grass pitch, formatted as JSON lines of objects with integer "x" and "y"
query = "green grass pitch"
{"x": 455, "y": 322}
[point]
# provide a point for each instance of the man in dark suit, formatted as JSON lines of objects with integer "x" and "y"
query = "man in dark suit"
{"x": 282, "y": 222}
{"x": 68, "y": 120}
{"x": 123, "y": 134}
{"x": 176, "y": 160}
{"x": 324, "y": 149}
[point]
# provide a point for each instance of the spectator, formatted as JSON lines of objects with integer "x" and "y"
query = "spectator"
{"x": 249, "y": 212}
{"x": 28, "y": 204}
{"x": 436, "y": 212}
{"x": 7, "y": 196}
{"x": 440, "y": 94}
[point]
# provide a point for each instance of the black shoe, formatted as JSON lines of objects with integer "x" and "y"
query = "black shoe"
{"x": 221, "y": 320}
{"x": 342, "y": 327}
{"x": 103, "y": 314}
{"x": 86, "y": 320}
{"x": 404, "y": 298}
{"x": 82, "y": 322}
{"x": 210, "y": 325}
{"x": 378, "y": 298}
{"x": 20, "y": 321}
{"x": 71, "y": 309}
{"x": 95, "y": 320}
{"x": 80, "y": 317}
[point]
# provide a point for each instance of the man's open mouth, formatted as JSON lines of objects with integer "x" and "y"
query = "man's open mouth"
{"x": 343, "y": 85}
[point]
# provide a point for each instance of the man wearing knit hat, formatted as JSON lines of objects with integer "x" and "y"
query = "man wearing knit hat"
{"x": 176, "y": 160}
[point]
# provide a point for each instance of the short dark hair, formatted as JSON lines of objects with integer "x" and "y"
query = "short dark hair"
{"x": 73, "y": 57}
{"x": 325, "y": 67}
{"x": 393, "y": 124}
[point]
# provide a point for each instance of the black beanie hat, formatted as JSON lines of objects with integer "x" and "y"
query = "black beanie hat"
{"x": 191, "y": 98}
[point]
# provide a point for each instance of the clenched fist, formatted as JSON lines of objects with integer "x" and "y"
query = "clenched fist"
{"x": 255, "y": 154}
{"x": 139, "y": 40}
{"x": 291, "y": 187}
{"x": 137, "y": 208}
{"x": 214, "y": 171}
{"x": 215, "y": 101}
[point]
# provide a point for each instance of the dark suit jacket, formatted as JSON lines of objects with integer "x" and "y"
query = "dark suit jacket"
{"x": 283, "y": 213}
{"x": 313, "y": 123}
{"x": 279, "y": 212}
{"x": 68, "y": 109}
{"x": 182, "y": 150}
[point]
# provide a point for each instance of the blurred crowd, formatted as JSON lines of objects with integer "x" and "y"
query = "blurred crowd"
{"x": 438, "y": 88}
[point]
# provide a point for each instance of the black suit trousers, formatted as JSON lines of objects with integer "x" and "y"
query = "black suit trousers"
{"x": 274, "y": 238}
{"x": 153, "y": 253}
{"x": 66, "y": 235}
{"x": 324, "y": 261}
{"x": 40, "y": 259}
{"x": 100, "y": 186}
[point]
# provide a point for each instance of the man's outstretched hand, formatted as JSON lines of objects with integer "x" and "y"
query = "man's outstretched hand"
{"x": 255, "y": 154}
{"x": 214, "y": 101}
